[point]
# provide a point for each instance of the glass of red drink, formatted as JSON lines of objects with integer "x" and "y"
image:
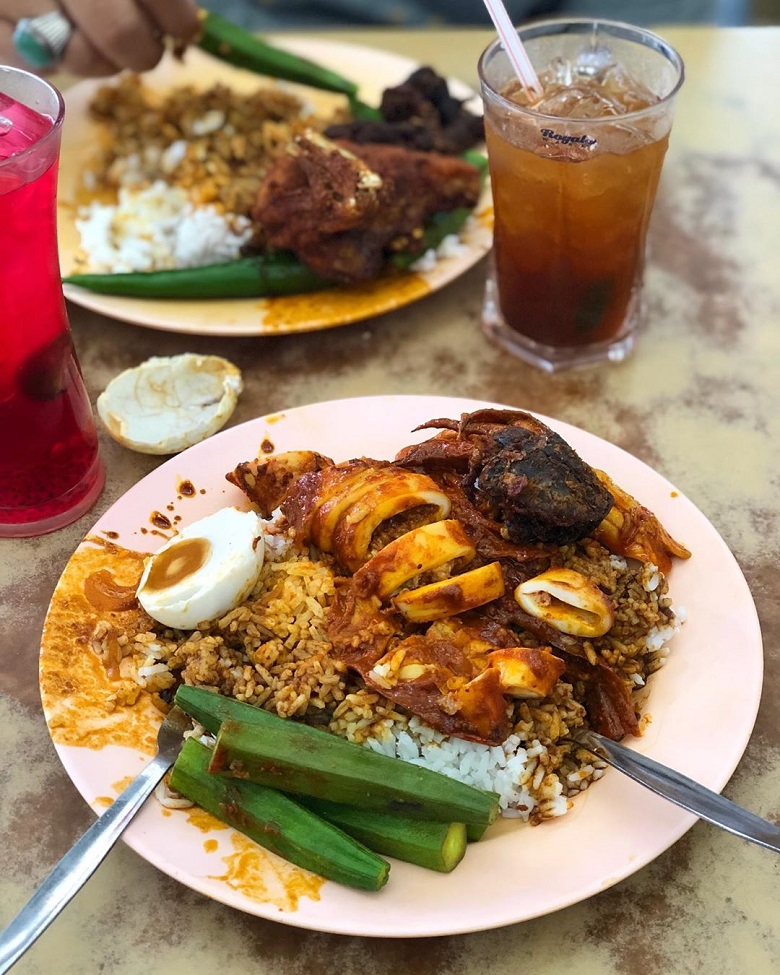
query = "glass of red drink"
{"x": 574, "y": 177}
{"x": 50, "y": 470}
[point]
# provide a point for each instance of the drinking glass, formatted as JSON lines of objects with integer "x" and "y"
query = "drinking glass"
{"x": 50, "y": 469}
{"x": 573, "y": 189}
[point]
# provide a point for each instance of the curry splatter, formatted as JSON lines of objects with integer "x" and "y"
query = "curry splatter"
{"x": 265, "y": 878}
{"x": 84, "y": 704}
{"x": 337, "y": 306}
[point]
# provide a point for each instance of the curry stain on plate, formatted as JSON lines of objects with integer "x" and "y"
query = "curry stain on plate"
{"x": 86, "y": 705}
{"x": 486, "y": 218}
{"x": 266, "y": 878}
{"x": 254, "y": 872}
{"x": 340, "y": 305}
{"x": 118, "y": 787}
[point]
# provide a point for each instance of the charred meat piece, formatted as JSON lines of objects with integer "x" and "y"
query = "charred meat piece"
{"x": 419, "y": 114}
{"x": 519, "y": 473}
{"x": 540, "y": 489}
{"x": 317, "y": 192}
{"x": 343, "y": 208}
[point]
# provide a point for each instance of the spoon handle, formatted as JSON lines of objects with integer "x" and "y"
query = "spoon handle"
{"x": 77, "y": 866}
{"x": 685, "y": 792}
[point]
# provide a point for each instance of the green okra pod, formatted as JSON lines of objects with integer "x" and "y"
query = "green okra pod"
{"x": 302, "y": 760}
{"x": 240, "y": 47}
{"x": 277, "y": 822}
{"x": 435, "y": 846}
{"x": 462, "y": 803}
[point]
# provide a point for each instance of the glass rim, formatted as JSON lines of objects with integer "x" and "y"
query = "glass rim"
{"x": 53, "y": 132}
{"x": 619, "y": 28}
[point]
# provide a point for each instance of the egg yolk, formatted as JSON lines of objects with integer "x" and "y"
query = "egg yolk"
{"x": 177, "y": 563}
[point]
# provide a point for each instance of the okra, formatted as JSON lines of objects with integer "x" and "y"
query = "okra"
{"x": 262, "y": 276}
{"x": 297, "y": 758}
{"x": 436, "y": 846}
{"x": 277, "y": 822}
{"x": 210, "y": 710}
{"x": 237, "y": 46}
{"x": 475, "y": 831}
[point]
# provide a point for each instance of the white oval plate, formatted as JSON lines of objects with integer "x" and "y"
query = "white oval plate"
{"x": 374, "y": 71}
{"x": 701, "y": 717}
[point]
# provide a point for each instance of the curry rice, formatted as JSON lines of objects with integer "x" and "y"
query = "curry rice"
{"x": 272, "y": 651}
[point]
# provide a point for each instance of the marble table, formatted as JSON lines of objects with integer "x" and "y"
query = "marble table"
{"x": 699, "y": 401}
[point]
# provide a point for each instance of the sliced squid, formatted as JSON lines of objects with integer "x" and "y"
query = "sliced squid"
{"x": 451, "y": 596}
{"x": 568, "y": 601}
{"x": 482, "y": 704}
{"x": 527, "y": 672}
{"x": 417, "y": 551}
{"x": 385, "y": 499}
{"x": 347, "y": 488}
{"x": 632, "y": 530}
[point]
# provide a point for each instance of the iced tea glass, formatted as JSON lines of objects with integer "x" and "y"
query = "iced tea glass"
{"x": 574, "y": 187}
{"x": 50, "y": 469}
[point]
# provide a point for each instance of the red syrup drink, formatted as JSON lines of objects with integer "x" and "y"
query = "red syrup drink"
{"x": 50, "y": 470}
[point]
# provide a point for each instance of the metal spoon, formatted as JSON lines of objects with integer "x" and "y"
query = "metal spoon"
{"x": 88, "y": 852}
{"x": 685, "y": 792}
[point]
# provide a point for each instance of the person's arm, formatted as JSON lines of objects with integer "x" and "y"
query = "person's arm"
{"x": 109, "y": 35}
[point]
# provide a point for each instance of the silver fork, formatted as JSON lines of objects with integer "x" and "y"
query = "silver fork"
{"x": 88, "y": 852}
{"x": 681, "y": 790}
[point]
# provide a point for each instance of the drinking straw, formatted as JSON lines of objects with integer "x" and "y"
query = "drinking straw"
{"x": 513, "y": 46}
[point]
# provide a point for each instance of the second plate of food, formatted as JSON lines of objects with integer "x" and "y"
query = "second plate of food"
{"x": 103, "y": 667}
{"x": 374, "y": 71}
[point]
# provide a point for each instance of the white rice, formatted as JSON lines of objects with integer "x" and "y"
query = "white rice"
{"x": 511, "y": 769}
{"x": 451, "y": 246}
{"x": 157, "y": 228}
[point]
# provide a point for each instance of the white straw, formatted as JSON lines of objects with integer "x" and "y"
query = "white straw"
{"x": 513, "y": 46}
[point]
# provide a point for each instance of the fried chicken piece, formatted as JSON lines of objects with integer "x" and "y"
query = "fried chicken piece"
{"x": 342, "y": 208}
{"x": 318, "y": 187}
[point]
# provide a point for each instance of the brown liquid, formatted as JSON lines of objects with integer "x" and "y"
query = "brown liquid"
{"x": 570, "y": 227}
{"x": 177, "y": 563}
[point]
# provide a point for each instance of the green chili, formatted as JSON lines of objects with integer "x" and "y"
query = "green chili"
{"x": 478, "y": 160}
{"x": 250, "y": 277}
{"x": 233, "y": 44}
{"x": 247, "y": 277}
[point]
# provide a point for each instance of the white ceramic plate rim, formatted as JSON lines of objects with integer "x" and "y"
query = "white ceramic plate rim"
{"x": 374, "y": 70}
{"x": 520, "y": 872}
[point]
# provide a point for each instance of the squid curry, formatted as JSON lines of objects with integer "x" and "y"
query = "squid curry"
{"x": 448, "y": 570}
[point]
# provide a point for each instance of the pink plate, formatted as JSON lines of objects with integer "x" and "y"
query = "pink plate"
{"x": 699, "y": 726}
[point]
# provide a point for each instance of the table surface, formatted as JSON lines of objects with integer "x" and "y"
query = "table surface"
{"x": 698, "y": 401}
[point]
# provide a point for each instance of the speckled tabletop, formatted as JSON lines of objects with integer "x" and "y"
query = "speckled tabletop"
{"x": 699, "y": 401}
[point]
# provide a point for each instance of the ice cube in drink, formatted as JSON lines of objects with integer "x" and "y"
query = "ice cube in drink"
{"x": 20, "y": 126}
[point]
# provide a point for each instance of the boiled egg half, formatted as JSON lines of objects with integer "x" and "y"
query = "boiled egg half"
{"x": 207, "y": 569}
{"x": 169, "y": 403}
